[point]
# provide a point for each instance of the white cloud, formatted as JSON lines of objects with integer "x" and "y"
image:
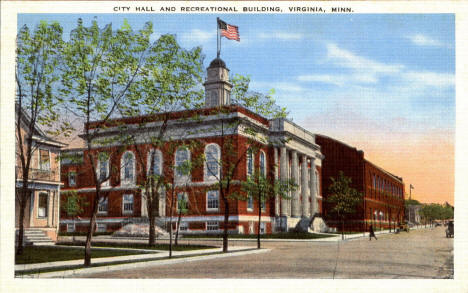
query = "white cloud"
{"x": 198, "y": 36}
{"x": 422, "y": 40}
{"x": 350, "y": 60}
{"x": 339, "y": 79}
{"x": 283, "y": 36}
{"x": 430, "y": 79}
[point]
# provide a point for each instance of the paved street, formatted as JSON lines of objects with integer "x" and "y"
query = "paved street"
{"x": 422, "y": 253}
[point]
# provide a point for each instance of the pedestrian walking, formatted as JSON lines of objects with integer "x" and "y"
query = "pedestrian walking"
{"x": 371, "y": 233}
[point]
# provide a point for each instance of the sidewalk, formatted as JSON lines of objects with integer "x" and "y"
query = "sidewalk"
{"x": 144, "y": 260}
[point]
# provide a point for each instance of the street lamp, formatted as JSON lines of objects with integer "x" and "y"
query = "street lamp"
{"x": 381, "y": 216}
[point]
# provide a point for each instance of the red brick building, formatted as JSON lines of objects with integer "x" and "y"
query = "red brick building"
{"x": 291, "y": 152}
{"x": 383, "y": 203}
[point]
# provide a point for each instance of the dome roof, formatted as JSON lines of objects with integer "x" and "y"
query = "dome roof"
{"x": 218, "y": 62}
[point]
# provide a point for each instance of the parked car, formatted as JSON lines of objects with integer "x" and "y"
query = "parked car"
{"x": 449, "y": 230}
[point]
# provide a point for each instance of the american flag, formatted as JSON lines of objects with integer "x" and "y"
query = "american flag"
{"x": 231, "y": 32}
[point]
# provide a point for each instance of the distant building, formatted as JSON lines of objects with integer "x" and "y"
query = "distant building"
{"x": 412, "y": 214}
{"x": 383, "y": 204}
{"x": 42, "y": 208}
{"x": 293, "y": 153}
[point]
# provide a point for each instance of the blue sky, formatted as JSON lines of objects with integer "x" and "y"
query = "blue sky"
{"x": 384, "y": 83}
{"x": 383, "y": 66}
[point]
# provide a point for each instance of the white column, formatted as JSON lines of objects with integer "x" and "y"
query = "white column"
{"x": 313, "y": 188}
{"x": 50, "y": 199}
{"x": 295, "y": 202}
{"x": 304, "y": 193}
{"x": 284, "y": 166}
{"x": 277, "y": 200}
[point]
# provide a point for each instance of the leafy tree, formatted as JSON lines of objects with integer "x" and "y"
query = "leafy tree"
{"x": 99, "y": 66}
{"x": 232, "y": 154}
{"x": 167, "y": 82}
{"x": 73, "y": 205}
{"x": 343, "y": 198}
{"x": 262, "y": 188}
{"x": 37, "y": 56}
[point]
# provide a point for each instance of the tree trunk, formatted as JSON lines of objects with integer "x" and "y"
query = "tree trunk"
{"x": 342, "y": 228}
{"x": 226, "y": 222}
{"x": 152, "y": 236}
{"x": 259, "y": 222}
{"x": 176, "y": 242}
{"x": 91, "y": 229}
{"x": 19, "y": 250}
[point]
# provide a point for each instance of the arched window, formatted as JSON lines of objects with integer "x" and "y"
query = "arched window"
{"x": 103, "y": 168}
{"x": 212, "y": 156}
{"x": 182, "y": 157}
{"x": 127, "y": 168}
{"x": 155, "y": 162}
{"x": 262, "y": 164}
{"x": 250, "y": 162}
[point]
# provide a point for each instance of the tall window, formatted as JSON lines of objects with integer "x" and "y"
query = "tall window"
{"x": 182, "y": 201}
{"x": 127, "y": 203}
{"x": 250, "y": 202}
{"x": 127, "y": 168}
{"x": 182, "y": 156}
{"x": 102, "y": 205}
{"x": 43, "y": 205}
{"x": 262, "y": 164}
{"x": 72, "y": 178}
{"x": 44, "y": 159}
{"x": 212, "y": 200}
{"x": 373, "y": 181}
{"x": 155, "y": 162}
{"x": 103, "y": 166}
{"x": 212, "y": 155}
{"x": 250, "y": 162}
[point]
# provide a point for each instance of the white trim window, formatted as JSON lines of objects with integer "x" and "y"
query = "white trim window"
{"x": 262, "y": 227}
{"x": 182, "y": 202}
{"x": 212, "y": 159}
{"x": 44, "y": 159}
{"x": 156, "y": 156}
{"x": 212, "y": 226}
{"x": 102, "y": 205}
{"x": 127, "y": 204}
{"x": 103, "y": 168}
{"x": 72, "y": 178}
{"x": 262, "y": 164}
{"x": 42, "y": 205}
{"x": 101, "y": 227}
{"x": 250, "y": 202}
{"x": 71, "y": 227}
{"x": 182, "y": 156}
{"x": 250, "y": 162}
{"x": 127, "y": 168}
{"x": 212, "y": 200}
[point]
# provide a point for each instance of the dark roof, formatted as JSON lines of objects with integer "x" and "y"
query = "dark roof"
{"x": 218, "y": 62}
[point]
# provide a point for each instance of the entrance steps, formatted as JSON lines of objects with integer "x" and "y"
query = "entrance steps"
{"x": 34, "y": 236}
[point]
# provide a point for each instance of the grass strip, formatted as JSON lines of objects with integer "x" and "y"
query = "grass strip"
{"x": 41, "y": 254}
{"x": 74, "y": 267}
{"x": 159, "y": 246}
{"x": 286, "y": 235}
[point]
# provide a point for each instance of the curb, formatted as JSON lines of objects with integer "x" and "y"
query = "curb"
{"x": 82, "y": 271}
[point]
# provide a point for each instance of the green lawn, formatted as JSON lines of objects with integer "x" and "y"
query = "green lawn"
{"x": 38, "y": 254}
{"x": 159, "y": 246}
{"x": 286, "y": 235}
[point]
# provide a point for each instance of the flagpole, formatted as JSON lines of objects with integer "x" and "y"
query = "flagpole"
{"x": 218, "y": 39}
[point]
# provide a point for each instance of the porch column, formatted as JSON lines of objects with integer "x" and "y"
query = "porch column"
{"x": 313, "y": 188}
{"x": 284, "y": 166}
{"x": 295, "y": 202}
{"x": 277, "y": 200}
{"x": 50, "y": 201}
{"x": 304, "y": 193}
